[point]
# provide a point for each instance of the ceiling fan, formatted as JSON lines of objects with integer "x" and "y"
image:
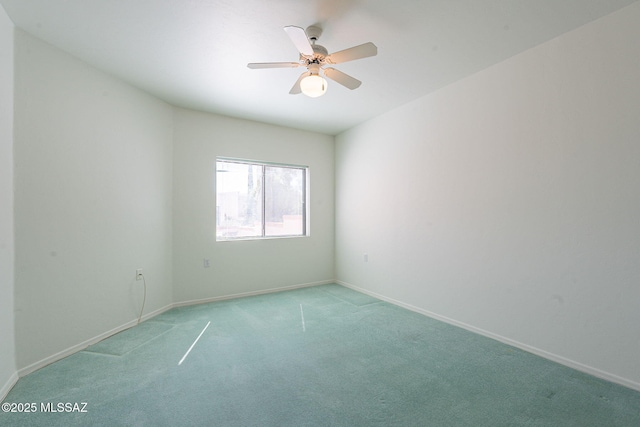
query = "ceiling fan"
{"x": 315, "y": 58}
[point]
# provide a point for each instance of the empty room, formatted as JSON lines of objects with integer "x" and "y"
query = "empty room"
{"x": 320, "y": 213}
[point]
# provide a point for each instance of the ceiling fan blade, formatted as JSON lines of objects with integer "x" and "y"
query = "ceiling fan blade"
{"x": 299, "y": 39}
{"x": 342, "y": 78}
{"x": 362, "y": 51}
{"x": 256, "y": 65}
{"x": 295, "y": 89}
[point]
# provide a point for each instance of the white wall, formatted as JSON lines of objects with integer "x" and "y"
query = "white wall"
{"x": 245, "y": 266}
{"x": 509, "y": 202}
{"x": 94, "y": 200}
{"x": 8, "y": 373}
{"x": 93, "y": 177}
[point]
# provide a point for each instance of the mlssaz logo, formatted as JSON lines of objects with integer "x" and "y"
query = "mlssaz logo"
{"x": 63, "y": 407}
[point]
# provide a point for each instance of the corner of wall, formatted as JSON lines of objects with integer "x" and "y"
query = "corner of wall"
{"x": 8, "y": 372}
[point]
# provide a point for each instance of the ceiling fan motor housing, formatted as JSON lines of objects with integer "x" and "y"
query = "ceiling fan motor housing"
{"x": 319, "y": 51}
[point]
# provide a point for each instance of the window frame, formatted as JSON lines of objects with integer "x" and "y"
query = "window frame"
{"x": 263, "y": 165}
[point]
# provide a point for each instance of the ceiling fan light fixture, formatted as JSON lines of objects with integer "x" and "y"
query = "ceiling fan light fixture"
{"x": 315, "y": 58}
{"x": 313, "y": 86}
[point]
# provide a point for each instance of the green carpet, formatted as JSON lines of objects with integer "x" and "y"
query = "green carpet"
{"x": 125, "y": 341}
{"x": 320, "y": 356}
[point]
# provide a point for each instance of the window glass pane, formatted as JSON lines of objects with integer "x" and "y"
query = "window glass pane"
{"x": 239, "y": 200}
{"x": 284, "y": 201}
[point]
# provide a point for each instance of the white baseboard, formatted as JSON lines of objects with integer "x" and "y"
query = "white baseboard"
{"x": 538, "y": 352}
{"x": 81, "y": 346}
{"x": 13, "y": 379}
{"x": 253, "y": 293}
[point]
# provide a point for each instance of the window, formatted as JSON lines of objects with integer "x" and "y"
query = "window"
{"x": 260, "y": 200}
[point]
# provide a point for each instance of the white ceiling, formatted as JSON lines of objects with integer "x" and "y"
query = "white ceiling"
{"x": 193, "y": 53}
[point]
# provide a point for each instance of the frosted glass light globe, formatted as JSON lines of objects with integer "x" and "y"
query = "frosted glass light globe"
{"x": 313, "y": 86}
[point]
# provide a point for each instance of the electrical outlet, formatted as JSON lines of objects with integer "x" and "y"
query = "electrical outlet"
{"x": 139, "y": 274}
{"x": 365, "y": 257}
{"x": 206, "y": 263}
